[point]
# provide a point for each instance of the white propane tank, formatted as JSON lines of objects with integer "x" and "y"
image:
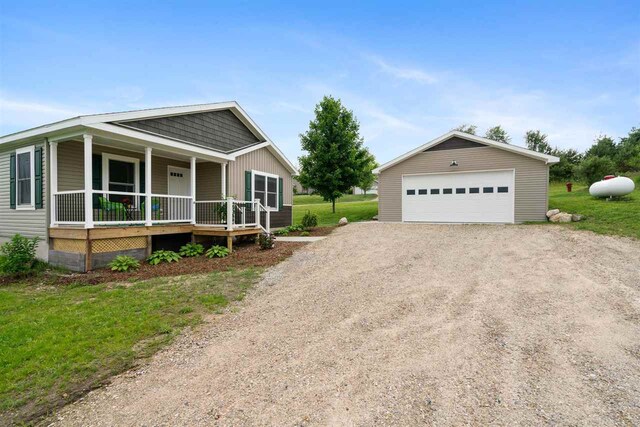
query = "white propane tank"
{"x": 618, "y": 186}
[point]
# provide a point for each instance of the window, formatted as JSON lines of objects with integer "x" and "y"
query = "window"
{"x": 461, "y": 190}
{"x": 435, "y": 191}
{"x": 265, "y": 188}
{"x": 474, "y": 190}
{"x": 423, "y": 191}
{"x": 447, "y": 191}
{"x": 487, "y": 189}
{"x": 503, "y": 189}
{"x": 25, "y": 178}
{"x": 121, "y": 174}
{"x": 411, "y": 192}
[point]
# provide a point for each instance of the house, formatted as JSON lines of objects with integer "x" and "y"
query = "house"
{"x": 459, "y": 177}
{"x": 372, "y": 190}
{"x": 92, "y": 187}
{"x": 298, "y": 188}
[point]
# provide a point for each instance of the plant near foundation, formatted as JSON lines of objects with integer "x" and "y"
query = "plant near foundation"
{"x": 217, "y": 251}
{"x": 309, "y": 220}
{"x": 19, "y": 256}
{"x": 191, "y": 249}
{"x": 163, "y": 256}
{"x": 124, "y": 263}
{"x": 266, "y": 241}
{"x": 304, "y": 233}
{"x": 281, "y": 232}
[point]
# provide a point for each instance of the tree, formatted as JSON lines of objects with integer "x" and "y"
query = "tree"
{"x": 336, "y": 157}
{"x": 368, "y": 177}
{"x": 629, "y": 151}
{"x": 470, "y": 129}
{"x": 566, "y": 168}
{"x": 603, "y": 146}
{"x": 537, "y": 141}
{"x": 498, "y": 134}
{"x": 594, "y": 168}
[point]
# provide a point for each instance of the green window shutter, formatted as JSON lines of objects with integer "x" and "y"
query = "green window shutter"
{"x": 12, "y": 181}
{"x": 142, "y": 178}
{"x": 280, "y": 199}
{"x": 96, "y": 178}
{"x": 37, "y": 159}
{"x": 247, "y": 186}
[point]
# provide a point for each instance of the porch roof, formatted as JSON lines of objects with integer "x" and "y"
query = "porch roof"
{"x": 103, "y": 124}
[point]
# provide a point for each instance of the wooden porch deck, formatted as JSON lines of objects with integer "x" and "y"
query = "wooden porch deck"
{"x": 90, "y": 242}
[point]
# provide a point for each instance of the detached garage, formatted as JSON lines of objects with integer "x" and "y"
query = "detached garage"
{"x": 460, "y": 177}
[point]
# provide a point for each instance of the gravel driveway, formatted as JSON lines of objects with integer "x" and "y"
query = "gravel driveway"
{"x": 393, "y": 324}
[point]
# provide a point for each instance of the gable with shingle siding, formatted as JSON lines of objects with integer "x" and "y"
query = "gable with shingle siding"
{"x": 218, "y": 130}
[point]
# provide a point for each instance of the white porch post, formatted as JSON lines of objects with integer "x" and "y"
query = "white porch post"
{"x": 53, "y": 171}
{"x": 193, "y": 190}
{"x": 229, "y": 214}
{"x": 88, "y": 180}
{"x": 223, "y": 180}
{"x": 256, "y": 209}
{"x": 268, "y": 220}
{"x": 147, "y": 187}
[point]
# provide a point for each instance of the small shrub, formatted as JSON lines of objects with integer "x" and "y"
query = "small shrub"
{"x": 297, "y": 227}
{"x": 19, "y": 255}
{"x": 217, "y": 251}
{"x": 266, "y": 240}
{"x": 305, "y": 233}
{"x": 309, "y": 220}
{"x": 163, "y": 256}
{"x": 281, "y": 232}
{"x": 124, "y": 263}
{"x": 191, "y": 249}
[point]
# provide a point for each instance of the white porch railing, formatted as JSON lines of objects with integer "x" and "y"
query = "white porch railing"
{"x": 130, "y": 209}
{"x": 232, "y": 214}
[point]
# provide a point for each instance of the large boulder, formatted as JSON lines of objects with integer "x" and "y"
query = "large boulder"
{"x": 561, "y": 217}
{"x": 343, "y": 221}
{"x": 552, "y": 212}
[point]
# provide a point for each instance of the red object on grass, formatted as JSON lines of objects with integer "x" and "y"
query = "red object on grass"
{"x": 569, "y": 185}
{"x": 609, "y": 177}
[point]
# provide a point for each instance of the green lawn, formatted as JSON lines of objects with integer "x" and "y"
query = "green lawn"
{"x": 353, "y": 207}
{"x": 56, "y": 342}
{"x": 304, "y": 199}
{"x": 619, "y": 217}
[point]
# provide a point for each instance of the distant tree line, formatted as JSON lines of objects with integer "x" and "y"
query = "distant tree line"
{"x": 604, "y": 157}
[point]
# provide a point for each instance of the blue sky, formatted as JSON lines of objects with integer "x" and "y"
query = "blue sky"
{"x": 409, "y": 71}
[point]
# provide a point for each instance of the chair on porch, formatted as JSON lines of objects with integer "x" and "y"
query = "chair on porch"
{"x": 155, "y": 208}
{"x": 115, "y": 210}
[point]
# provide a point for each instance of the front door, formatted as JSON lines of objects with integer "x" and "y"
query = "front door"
{"x": 179, "y": 184}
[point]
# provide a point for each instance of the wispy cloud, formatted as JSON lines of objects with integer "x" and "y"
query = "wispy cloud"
{"x": 19, "y": 114}
{"x": 404, "y": 73}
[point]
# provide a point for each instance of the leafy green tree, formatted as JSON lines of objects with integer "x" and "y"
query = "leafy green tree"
{"x": 336, "y": 158}
{"x": 594, "y": 168}
{"x": 367, "y": 177}
{"x": 537, "y": 141}
{"x": 603, "y": 146}
{"x": 629, "y": 151}
{"x": 470, "y": 129}
{"x": 496, "y": 133}
{"x": 566, "y": 168}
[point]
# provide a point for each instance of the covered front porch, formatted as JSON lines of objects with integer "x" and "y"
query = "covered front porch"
{"x": 112, "y": 196}
{"x": 97, "y": 181}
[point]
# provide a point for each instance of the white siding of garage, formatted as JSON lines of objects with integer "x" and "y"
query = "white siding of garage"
{"x": 531, "y": 182}
{"x": 29, "y": 223}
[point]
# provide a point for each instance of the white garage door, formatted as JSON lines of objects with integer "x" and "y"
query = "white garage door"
{"x": 459, "y": 197}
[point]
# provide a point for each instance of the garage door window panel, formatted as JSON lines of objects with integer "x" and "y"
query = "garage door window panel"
{"x": 461, "y": 190}
{"x": 487, "y": 189}
{"x": 423, "y": 191}
{"x": 474, "y": 190}
{"x": 503, "y": 189}
{"x": 435, "y": 191}
{"x": 447, "y": 191}
{"x": 411, "y": 192}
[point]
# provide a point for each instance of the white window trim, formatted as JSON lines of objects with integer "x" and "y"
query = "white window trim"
{"x": 32, "y": 205}
{"x": 105, "y": 169}
{"x": 253, "y": 189}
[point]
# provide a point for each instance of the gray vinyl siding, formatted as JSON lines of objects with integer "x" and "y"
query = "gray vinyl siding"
{"x": 71, "y": 170}
{"x": 29, "y": 223}
{"x": 260, "y": 160}
{"x": 531, "y": 178}
{"x": 218, "y": 130}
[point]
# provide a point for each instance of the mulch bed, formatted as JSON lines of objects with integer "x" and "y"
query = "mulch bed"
{"x": 243, "y": 256}
{"x": 318, "y": 231}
